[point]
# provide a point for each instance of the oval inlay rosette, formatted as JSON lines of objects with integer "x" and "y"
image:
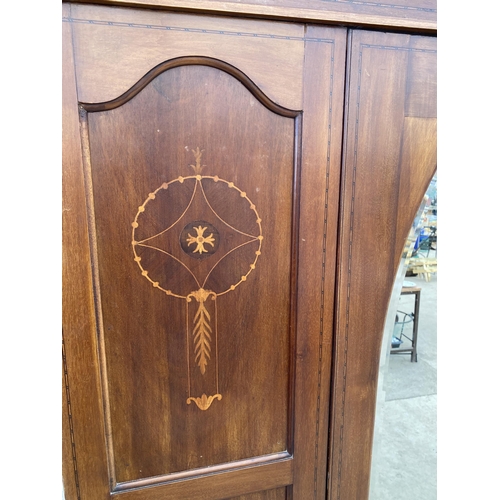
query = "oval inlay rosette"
{"x": 196, "y": 238}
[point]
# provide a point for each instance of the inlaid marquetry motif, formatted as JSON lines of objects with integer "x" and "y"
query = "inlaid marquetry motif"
{"x": 199, "y": 239}
{"x": 183, "y": 254}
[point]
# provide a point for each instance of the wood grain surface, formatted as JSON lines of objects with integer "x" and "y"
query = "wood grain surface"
{"x": 236, "y": 197}
{"x": 115, "y": 47}
{"x": 278, "y": 494}
{"x": 84, "y": 464}
{"x": 390, "y": 157}
{"x": 323, "y": 107}
{"x": 202, "y": 147}
{"x": 409, "y": 14}
{"x": 154, "y": 431}
{"x": 216, "y": 486}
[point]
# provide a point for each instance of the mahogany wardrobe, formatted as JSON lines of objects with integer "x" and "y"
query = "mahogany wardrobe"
{"x": 239, "y": 179}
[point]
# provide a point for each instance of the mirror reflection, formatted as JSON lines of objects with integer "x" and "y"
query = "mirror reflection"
{"x": 404, "y": 457}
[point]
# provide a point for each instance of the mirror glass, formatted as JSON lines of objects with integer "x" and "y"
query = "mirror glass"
{"x": 404, "y": 457}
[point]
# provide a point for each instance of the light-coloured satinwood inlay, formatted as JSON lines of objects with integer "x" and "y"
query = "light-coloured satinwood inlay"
{"x": 205, "y": 401}
{"x": 202, "y": 328}
{"x": 199, "y": 239}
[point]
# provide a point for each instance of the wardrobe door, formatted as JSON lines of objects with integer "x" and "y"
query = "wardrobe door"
{"x": 201, "y": 184}
{"x": 389, "y": 160}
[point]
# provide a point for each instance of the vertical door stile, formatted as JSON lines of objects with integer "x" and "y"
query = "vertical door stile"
{"x": 320, "y": 184}
{"x": 390, "y": 145}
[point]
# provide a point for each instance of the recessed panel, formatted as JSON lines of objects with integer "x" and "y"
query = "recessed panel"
{"x": 421, "y": 99}
{"x": 192, "y": 182}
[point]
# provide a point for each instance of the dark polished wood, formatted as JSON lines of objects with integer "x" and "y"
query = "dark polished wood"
{"x": 116, "y": 47}
{"x": 216, "y": 486}
{"x": 389, "y": 160}
{"x": 210, "y": 276}
{"x": 235, "y": 206}
{"x": 279, "y": 494}
{"x": 84, "y": 461}
{"x": 154, "y": 431}
{"x": 190, "y": 61}
{"x": 320, "y": 186}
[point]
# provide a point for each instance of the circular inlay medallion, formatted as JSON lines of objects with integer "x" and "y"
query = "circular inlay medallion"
{"x": 199, "y": 239}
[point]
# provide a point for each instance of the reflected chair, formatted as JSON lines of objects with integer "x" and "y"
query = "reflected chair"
{"x": 405, "y": 318}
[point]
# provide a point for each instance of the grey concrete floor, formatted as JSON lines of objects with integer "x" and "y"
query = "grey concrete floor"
{"x": 405, "y": 450}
